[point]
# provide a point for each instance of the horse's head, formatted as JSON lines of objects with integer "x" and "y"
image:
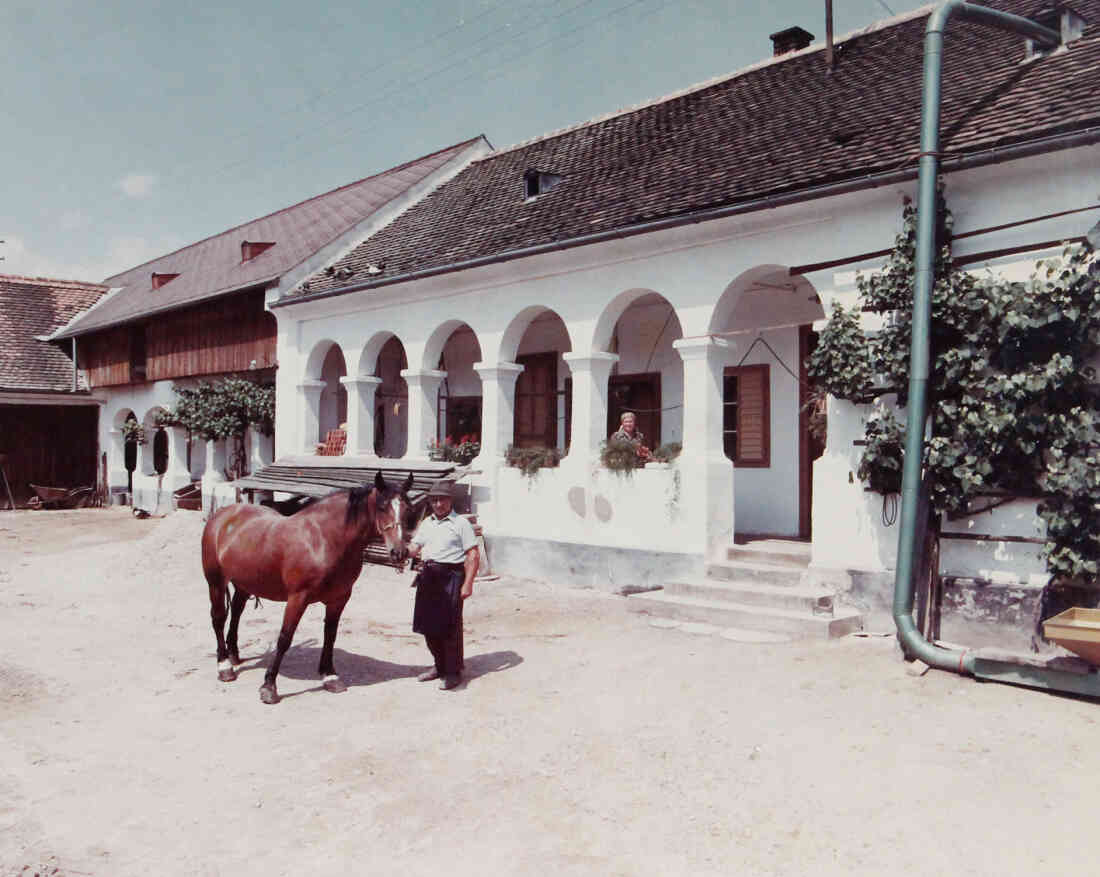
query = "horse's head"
{"x": 391, "y": 510}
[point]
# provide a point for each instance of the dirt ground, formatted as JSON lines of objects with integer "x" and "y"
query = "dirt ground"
{"x": 586, "y": 741}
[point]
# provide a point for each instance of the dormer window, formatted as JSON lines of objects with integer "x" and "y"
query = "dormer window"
{"x": 160, "y": 279}
{"x": 251, "y": 249}
{"x": 1064, "y": 21}
{"x": 537, "y": 183}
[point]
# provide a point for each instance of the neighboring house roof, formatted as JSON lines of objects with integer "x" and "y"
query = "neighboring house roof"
{"x": 782, "y": 126}
{"x": 36, "y": 306}
{"x": 214, "y": 266}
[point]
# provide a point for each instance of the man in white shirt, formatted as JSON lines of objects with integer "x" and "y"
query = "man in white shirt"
{"x": 446, "y": 544}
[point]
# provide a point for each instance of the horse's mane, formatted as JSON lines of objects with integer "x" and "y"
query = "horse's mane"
{"x": 357, "y": 502}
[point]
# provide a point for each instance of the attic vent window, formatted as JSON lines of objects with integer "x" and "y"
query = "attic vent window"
{"x": 251, "y": 249}
{"x": 790, "y": 40}
{"x": 1066, "y": 22}
{"x": 160, "y": 279}
{"x": 537, "y": 183}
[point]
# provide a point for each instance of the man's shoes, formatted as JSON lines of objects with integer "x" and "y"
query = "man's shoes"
{"x": 449, "y": 682}
{"x": 428, "y": 675}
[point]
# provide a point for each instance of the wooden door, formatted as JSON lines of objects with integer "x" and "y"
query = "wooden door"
{"x": 536, "y": 411}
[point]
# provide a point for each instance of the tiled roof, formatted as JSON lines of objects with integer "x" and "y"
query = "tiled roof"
{"x": 33, "y": 306}
{"x": 213, "y": 266}
{"x": 780, "y": 126}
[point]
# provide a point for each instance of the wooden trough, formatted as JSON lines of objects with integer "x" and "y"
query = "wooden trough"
{"x": 1076, "y": 629}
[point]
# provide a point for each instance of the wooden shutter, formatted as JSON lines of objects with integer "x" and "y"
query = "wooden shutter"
{"x": 753, "y": 415}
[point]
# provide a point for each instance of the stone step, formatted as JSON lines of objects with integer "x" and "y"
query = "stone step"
{"x": 757, "y": 573}
{"x": 817, "y": 601}
{"x": 726, "y": 614}
{"x": 780, "y": 552}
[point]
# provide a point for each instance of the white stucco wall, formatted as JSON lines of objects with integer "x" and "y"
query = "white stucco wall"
{"x": 719, "y": 277}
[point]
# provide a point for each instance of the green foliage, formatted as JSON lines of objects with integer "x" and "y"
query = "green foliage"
{"x": 132, "y": 431}
{"x": 530, "y": 460}
{"x": 224, "y": 409}
{"x": 841, "y": 364}
{"x": 880, "y": 465}
{"x": 667, "y": 452}
{"x": 1012, "y": 398}
{"x": 462, "y": 452}
{"x": 620, "y": 456}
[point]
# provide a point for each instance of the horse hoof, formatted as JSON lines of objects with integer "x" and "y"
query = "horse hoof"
{"x": 227, "y": 675}
{"x": 268, "y": 694}
{"x": 334, "y": 684}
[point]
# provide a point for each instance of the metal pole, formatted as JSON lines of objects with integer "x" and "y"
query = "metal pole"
{"x": 913, "y": 643}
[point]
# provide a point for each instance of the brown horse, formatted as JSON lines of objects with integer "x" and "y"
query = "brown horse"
{"x": 315, "y": 555}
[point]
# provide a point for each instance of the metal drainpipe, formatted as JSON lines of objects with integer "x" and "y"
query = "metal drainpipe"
{"x": 913, "y": 503}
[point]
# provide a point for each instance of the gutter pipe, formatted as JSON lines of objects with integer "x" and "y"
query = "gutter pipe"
{"x": 980, "y": 158}
{"x": 914, "y": 493}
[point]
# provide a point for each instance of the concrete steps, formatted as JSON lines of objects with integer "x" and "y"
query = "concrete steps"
{"x": 756, "y": 587}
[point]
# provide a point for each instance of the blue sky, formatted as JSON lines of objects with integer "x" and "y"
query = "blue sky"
{"x": 133, "y": 127}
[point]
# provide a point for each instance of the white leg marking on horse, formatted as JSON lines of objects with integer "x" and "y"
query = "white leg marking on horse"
{"x": 330, "y": 678}
{"x": 225, "y": 665}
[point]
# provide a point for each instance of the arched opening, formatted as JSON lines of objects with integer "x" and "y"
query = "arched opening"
{"x": 460, "y": 398}
{"x": 536, "y": 339}
{"x": 332, "y": 408}
{"x": 648, "y": 379}
{"x": 768, "y": 314}
{"x": 391, "y": 423}
{"x": 154, "y": 441}
{"x": 131, "y": 438}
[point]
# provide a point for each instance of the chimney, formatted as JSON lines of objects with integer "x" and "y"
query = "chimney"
{"x": 160, "y": 279}
{"x": 790, "y": 40}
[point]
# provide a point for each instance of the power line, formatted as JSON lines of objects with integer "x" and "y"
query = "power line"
{"x": 495, "y": 73}
{"x": 396, "y": 85}
{"x": 348, "y": 80}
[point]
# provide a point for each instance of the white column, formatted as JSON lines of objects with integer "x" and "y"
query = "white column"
{"x": 260, "y": 452}
{"x": 706, "y": 473}
{"x": 145, "y": 454}
{"x": 423, "y": 410}
{"x": 309, "y": 393}
{"x": 589, "y": 422}
{"x": 177, "y": 474}
{"x": 498, "y": 407}
{"x": 214, "y": 473}
{"x": 361, "y": 392}
{"x": 116, "y": 459}
{"x": 216, "y": 461}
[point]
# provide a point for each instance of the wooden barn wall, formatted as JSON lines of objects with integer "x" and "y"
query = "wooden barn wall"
{"x": 222, "y": 336}
{"x": 227, "y": 335}
{"x": 52, "y": 445}
{"x": 105, "y": 357}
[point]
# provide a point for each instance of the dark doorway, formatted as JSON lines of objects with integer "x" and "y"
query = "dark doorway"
{"x": 536, "y": 418}
{"x": 50, "y": 445}
{"x": 640, "y": 393}
{"x": 160, "y": 451}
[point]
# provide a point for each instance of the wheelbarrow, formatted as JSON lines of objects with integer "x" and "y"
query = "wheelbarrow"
{"x": 63, "y": 497}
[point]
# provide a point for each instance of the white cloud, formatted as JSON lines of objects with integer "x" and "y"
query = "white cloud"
{"x": 120, "y": 254}
{"x": 137, "y": 185}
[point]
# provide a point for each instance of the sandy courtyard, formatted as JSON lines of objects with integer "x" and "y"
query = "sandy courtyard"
{"x": 585, "y": 742}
